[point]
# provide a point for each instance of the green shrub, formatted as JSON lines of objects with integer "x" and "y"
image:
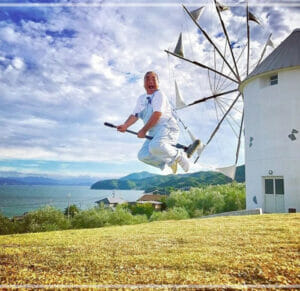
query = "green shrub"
{"x": 234, "y": 197}
{"x": 209, "y": 199}
{"x": 210, "y": 202}
{"x": 139, "y": 208}
{"x": 44, "y": 219}
{"x": 92, "y": 218}
{"x": 197, "y": 213}
{"x": 137, "y": 219}
{"x": 6, "y": 226}
{"x": 175, "y": 213}
{"x": 101, "y": 216}
{"x": 121, "y": 216}
{"x": 71, "y": 210}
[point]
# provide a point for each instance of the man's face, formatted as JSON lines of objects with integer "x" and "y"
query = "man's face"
{"x": 151, "y": 83}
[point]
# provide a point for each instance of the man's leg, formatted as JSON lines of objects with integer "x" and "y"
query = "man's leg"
{"x": 146, "y": 157}
{"x": 161, "y": 147}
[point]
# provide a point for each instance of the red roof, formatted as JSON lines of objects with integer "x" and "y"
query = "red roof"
{"x": 151, "y": 197}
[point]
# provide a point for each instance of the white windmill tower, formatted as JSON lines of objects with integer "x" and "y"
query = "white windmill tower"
{"x": 272, "y": 129}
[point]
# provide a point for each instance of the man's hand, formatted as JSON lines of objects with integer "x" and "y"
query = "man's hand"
{"x": 122, "y": 127}
{"x": 154, "y": 118}
{"x": 142, "y": 133}
{"x": 130, "y": 120}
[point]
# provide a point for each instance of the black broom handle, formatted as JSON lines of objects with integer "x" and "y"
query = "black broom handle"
{"x": 127, "y": 130}
{"x": 178, "y": 145}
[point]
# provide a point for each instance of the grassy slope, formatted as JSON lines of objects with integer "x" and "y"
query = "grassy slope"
{"x": 225, "y": 250}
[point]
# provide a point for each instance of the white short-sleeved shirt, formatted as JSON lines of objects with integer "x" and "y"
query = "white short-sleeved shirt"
{"x": 159, "y": 103}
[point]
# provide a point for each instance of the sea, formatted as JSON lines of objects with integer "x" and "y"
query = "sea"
{"x": 17, "y": 199}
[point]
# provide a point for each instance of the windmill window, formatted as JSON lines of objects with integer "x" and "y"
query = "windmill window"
{"x": 279, "y": 189}
{"x": 274, "y": 186}
{"x": 274, "y": 80}
{"x": 269, "y": 187}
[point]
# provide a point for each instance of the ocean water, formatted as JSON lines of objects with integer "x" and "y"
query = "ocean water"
{"x": 17, "y": 199}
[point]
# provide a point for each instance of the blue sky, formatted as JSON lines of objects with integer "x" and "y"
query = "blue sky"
{"x": 66, "y": 69}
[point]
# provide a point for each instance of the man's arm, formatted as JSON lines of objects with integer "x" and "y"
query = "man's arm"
{"x": 151, "y": 122}
{"x": 130, "y": 120}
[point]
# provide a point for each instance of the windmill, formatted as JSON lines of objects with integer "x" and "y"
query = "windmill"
{"x": 228, "y": 75}
{"x": 272, "y": 121}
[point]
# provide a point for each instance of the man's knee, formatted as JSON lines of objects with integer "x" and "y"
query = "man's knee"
{"x": 143, "y": 155}
{"x": 157, "y": 149}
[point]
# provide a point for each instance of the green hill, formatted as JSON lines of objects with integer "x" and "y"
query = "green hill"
{"x": 138, "y": 176}
{"x": 115, "y": 184}
{"x": 150, "y": 182}
{"x": 261, "y": 249}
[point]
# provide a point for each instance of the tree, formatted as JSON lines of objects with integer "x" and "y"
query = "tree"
{"x": 6, "y": 226}
{"x": 141, "y": 209}
{"x": 44, "y": 219}
{"x": 71, "y": 211}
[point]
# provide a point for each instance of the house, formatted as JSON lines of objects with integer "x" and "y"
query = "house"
{"x": 153, "y": 199}
{"x": 19, "y": 217}
{"x": 111, "y": 201}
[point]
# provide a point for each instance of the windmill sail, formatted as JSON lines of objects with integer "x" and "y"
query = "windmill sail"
{"x": 270, "y": 42}
{"x": 252, "y": 17}
{"x": 221, "y": 7}
{"x": 197, "y": 13}
{"x": 179, "y": 47}
{"x": 228, "y": 171}
{"x": 179, "y": 100}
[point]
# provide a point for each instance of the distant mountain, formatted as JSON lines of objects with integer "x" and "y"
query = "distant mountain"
{"x": 156, "y": 182}
{"x": 142, "y": 180}
{"x": 31, "y": 180}
{"x": 10, "y": 181}
{"x": 137, "y": 176}
{"x": 77, "y": 181}
{"x": 37, "y": 180}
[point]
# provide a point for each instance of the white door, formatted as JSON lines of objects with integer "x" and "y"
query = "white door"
{"x": 274, "y": 194}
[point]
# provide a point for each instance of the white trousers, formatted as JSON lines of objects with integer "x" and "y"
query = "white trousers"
{"x": 159, "y": 152}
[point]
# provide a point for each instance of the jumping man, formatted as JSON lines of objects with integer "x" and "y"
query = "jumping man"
{"x": 155, "y": 111}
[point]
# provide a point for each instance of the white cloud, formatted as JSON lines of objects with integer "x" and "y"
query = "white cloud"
{"x": 100, "y": 66}
{"x": 40, "y": 122}
{"x": 9, "y": 34}
{"x": 18, "y": 63}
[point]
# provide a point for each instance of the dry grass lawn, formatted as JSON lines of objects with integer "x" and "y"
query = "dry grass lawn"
{"x": 262, "y": 249}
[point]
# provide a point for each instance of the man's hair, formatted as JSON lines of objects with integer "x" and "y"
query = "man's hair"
{"x": 151, "y": 72}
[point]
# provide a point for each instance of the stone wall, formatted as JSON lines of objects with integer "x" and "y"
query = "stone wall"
{"x": 237, "y": 213}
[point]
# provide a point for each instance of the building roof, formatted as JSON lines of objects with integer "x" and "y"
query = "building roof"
{"x": 150, "y": 197}
{"x": 111, "y": 200}
{"x": 19, "y": 217}
{"x": 286, "y": 55}
{"x": 151, "y": 202}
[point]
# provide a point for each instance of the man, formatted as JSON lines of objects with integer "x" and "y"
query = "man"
{"x": 155, "y": 111}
